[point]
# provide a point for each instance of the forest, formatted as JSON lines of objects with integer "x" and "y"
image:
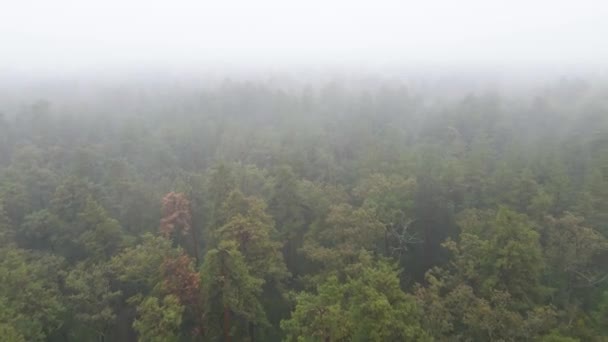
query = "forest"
{"x": 331, "y": 210}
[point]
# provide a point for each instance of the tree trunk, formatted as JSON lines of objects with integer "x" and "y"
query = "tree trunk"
{"x": 251, "y": 331}
{"x": 195, "y": 246}
{"x": 227, "y": 337}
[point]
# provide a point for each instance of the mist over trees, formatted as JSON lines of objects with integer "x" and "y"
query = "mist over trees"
{"x": 269, "y": 208}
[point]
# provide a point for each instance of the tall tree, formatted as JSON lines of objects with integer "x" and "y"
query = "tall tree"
{"x": 176, "y": 221}
{"x": 182, "y": 281}
{"x": 248, "y": 224}
{"x": 285, "y": 206}
{"x": 231, "y": 293}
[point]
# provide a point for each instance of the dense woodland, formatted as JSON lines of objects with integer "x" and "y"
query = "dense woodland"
{"x": 258, "y": 211}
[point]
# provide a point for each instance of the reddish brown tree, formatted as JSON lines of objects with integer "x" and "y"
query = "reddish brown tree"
{"x": 181, "y": 280}
{"x": 177, "y": 215}
{"x": 176, "y": 221}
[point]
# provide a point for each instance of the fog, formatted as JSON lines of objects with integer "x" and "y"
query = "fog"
{"x": 49, "y": 48}
{"x": 310, "y": 170}
{"x": 94, "y": 36}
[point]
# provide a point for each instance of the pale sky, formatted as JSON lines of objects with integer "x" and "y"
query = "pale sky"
{"x": 59, "y": 34}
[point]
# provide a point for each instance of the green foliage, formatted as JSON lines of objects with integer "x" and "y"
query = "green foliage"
{"x": 456, "y": 312}
{"x": 570, "y": 249}
{"x": 344, "y": 234}
{"x": 138, "y": 268}
{"x": 319, "y": 316}
{"x": 285, "y": 204}
{"x": 391, "y": 197}
{"x": 600, "y": 314}
{"x": 159, "y": 320}
{"x": 10, "y": 333}
{"x": 492, "y": 289}
{"x": 230, "y": 289}
{"x": 557, "y": 337}
{"x": 101, "y": 235}
{"x": 368, "y": 306}
{"x": 90, "y": 297}
{"x": 71, "y": 198}
{"x": 248, "y": 225}
{"x": 6, "y": 234}
{"x": 345, "y": 194}
{"x": 220, "y": 185}
{"x": 40, "y": 230}
{"x": 30, "y": 299}
{"x": 499, "y": 252}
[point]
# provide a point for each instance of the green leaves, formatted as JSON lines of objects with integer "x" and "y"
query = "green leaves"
{"x": 344, "y": 234}
{"x": 488, "y": 192}
{"x": 138, "y": 268}
{"x": 229, "y": 288}
{"x": 159, "y": 320}
{"x": 30, "y": 301}
{"x": 248, "y": 225}
{"x": 499, "y": 252}
{"x": 101, "y": 235}
{"x": 368, "y": 305}
{"x": 320, "y": 316}
{"x": 90, "y": 297}
{"x": 570, "y": 249}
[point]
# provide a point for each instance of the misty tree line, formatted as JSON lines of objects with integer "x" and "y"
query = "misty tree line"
{"x": 250, "y": 212}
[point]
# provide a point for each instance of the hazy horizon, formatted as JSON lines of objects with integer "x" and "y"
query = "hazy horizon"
{"x": 75, "y": 37}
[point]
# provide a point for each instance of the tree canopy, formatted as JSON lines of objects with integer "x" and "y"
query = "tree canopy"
{"x": 268, "y": 210}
